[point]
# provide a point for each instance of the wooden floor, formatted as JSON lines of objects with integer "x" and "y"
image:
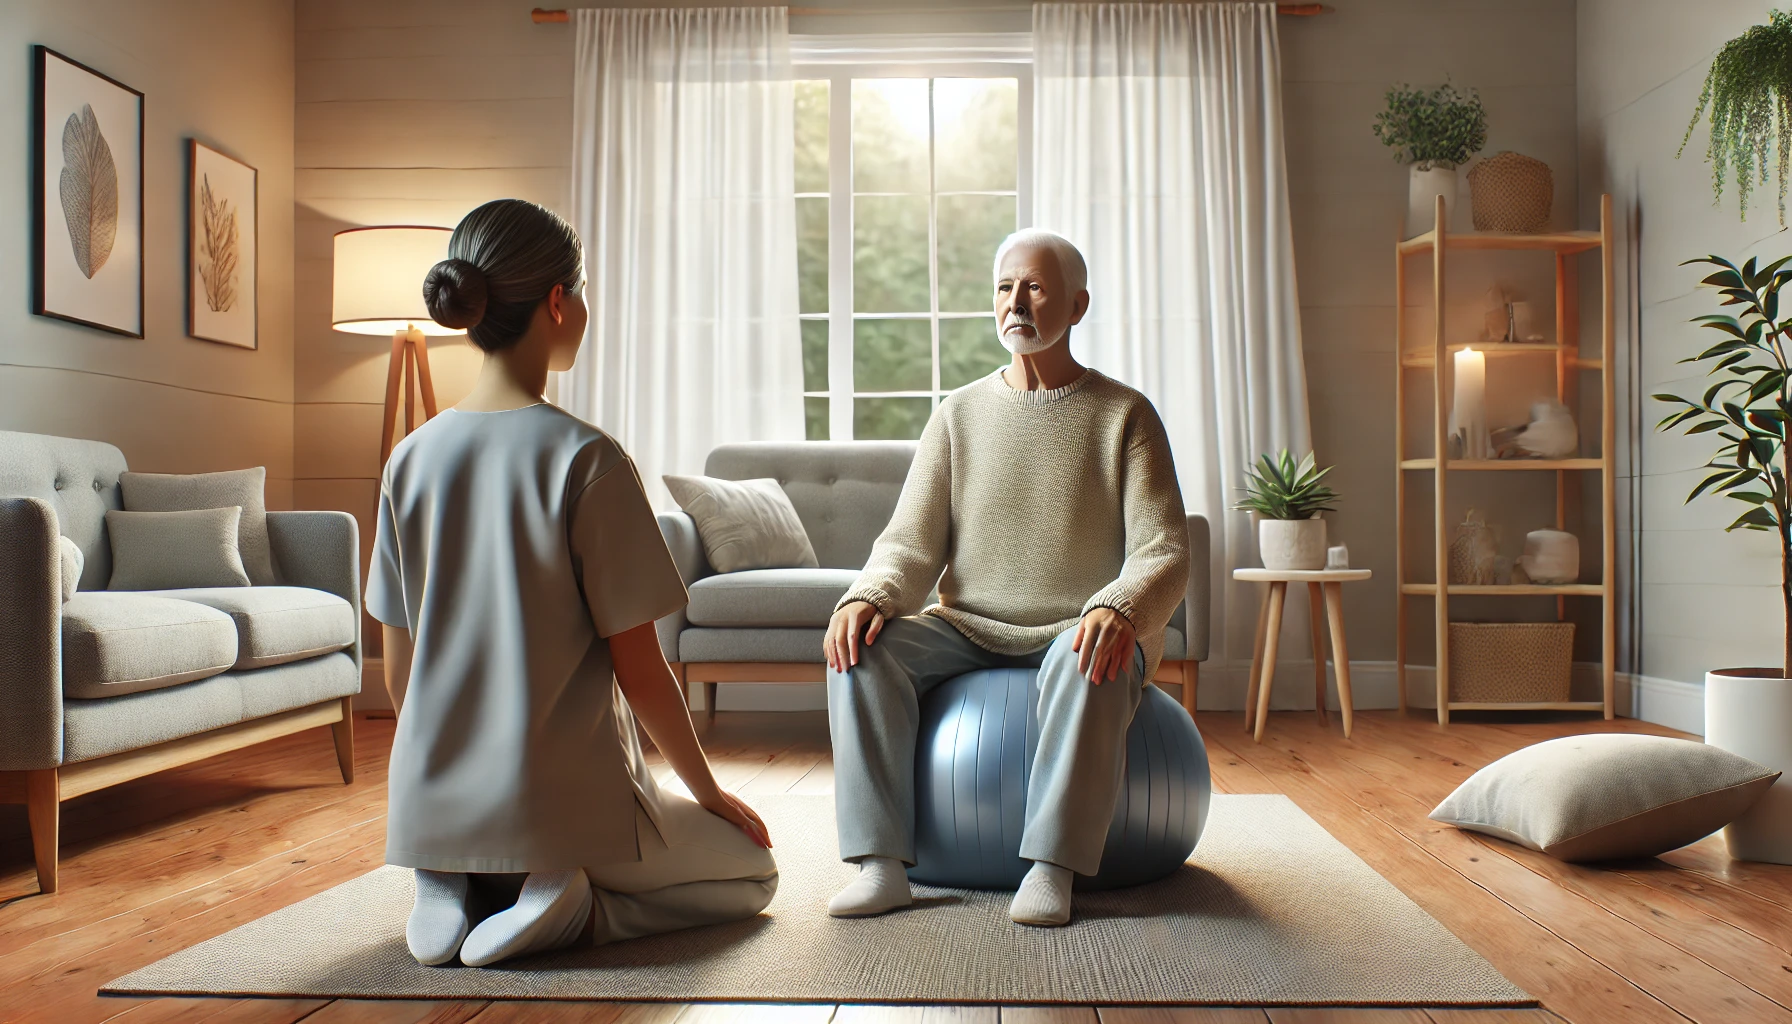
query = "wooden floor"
{"x": 161, "y": 863}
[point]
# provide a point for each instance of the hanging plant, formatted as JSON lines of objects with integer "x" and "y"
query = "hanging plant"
{"x": 1443, "y": 127}
{"x": 1748, "y": 92}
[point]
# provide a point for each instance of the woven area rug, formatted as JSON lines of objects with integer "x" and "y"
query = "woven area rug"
{"x": 1270, "y": 910}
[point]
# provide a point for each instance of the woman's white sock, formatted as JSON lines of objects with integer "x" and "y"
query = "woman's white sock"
{"x": 550, "y": 913}
{"x": 439, "y": 920}
{"x": 882, "y": 886}
{"x": 1044, "y": 896}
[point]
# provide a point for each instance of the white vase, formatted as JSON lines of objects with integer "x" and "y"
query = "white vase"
{"x": 1551, "y": 557}
{"x": 1291, "y": 543}
{"x": 1748, "y": 711}
{"x": 1421, "y": 197}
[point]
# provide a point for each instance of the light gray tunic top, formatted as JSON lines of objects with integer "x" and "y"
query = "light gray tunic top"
{"x": 511, "y": 544}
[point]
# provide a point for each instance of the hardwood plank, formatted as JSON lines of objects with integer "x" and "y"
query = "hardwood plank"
{"x": 216, "y": 1010}
{"x": 864, "y": 1014}
{"x": 1500, "y": 1016}
{"x": 756, "y": 1013}
{"x": 785, "y": 769}
{"x": 1710, "y": 858}
{"x": 818, "y": 781}
{"x": 1344, "y": 1015}
{"x": 544, "y": 1012}
{"x": 1182, "y": 1014}
{"x": 396, "y": 1011}
{"x": 1048, "y": 1015}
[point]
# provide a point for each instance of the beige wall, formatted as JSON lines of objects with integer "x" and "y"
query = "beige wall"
{"x": 213, "y": 70}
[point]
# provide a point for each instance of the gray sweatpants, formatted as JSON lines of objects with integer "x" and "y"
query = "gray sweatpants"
{"x": 874, "y": 713}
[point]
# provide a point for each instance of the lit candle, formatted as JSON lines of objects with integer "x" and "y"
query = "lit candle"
{"x": 1468, "y": 411}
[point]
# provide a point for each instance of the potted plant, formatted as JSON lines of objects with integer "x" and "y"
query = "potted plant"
{"x": 1748, "y": 711}
{"x": 1288, "y": 498}
{"x": 1746, "y": 92}
{"x": 1434, "y": 132}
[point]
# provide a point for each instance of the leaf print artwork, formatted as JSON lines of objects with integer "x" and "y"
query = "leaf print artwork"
{"x": 89, "y": 191}
{"x": 218, "y": 249}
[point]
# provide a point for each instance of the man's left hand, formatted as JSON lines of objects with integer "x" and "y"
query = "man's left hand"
{"x": 1103, "y": 642}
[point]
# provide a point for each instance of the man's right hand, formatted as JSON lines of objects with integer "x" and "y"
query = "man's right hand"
{"x": 858, "y": 619}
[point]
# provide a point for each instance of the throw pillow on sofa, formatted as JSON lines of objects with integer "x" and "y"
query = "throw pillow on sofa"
{"x": 175, "y": 550}
{"x": 172, "y": 492}
{"x": 744, "y": 524}
{"x": 1606, "y": 795}
{"x": 73, "y": 563}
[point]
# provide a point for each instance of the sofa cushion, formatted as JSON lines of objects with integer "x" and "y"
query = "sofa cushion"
{"x": 792, "y": 645}
{"x": 175, "y": 492}
{"x": 275, "y": 625}
{"x": 73, "y": 561}
{"x": 1175, "y": 644}
{"x": 768, "y": 597}
{"x": 158, "y": 550}
{"x": 118, "y": 643}
{"x": 745, "y": 524}
{"x": 843, "y": 491}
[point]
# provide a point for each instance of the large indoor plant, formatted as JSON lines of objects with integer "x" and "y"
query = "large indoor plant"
{"x": 1747, "y": 410}
{"x": 1748, "y": 92}
{"x": 1434, "y": 132}
{"x": 1287, "y": 497}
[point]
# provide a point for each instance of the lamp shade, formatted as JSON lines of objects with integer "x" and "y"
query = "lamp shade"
{"x": 379, "y": 279}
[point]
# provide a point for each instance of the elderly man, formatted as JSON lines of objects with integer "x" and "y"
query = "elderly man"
{"x": 1046, "y": 495}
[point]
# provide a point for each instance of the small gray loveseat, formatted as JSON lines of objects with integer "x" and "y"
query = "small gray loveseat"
{"x": 114, "y": 685}
{"x": 766, "y": 625}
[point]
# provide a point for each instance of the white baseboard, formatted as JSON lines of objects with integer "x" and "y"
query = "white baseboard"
{"x": 1668, "y": 702}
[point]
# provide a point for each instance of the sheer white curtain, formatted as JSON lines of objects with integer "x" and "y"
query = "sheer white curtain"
{"x": 1158, "y": 150}
{"x": 683, "y": 190}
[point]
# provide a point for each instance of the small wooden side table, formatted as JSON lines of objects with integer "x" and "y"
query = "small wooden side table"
{"x": 1324, "y": 587}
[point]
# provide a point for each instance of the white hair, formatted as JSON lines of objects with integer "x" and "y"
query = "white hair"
{"x": 1070, "y": 259}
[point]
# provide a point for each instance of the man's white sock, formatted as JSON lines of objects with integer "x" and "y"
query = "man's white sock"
{"x": 439, "y": 922}
{"x": 550, "y": 913}
{"x": 882, "y": 886}
{"x": 1044, "y": 896}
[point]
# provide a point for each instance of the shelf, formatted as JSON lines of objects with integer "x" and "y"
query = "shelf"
{"x": 1527, "y": 705}
{"x": 1553, "y": 241}
{"x": 1508, "y": 589}
{"x": 1422, "y": 357}
{"x": 1496, "y": 465}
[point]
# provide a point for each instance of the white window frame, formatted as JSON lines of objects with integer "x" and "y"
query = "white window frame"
{"x": 916, "y": 63}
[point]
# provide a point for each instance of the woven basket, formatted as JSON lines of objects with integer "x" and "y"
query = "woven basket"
{"x": 1510, "y": 661}
{"x": 1511, "y": 192}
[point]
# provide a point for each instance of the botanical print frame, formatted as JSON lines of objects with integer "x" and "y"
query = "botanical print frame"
{"x": 221, "y": 247}
{"x": 87, "y": 196}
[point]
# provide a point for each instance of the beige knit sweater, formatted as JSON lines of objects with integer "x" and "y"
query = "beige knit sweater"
{"x": 1038, "y": 506}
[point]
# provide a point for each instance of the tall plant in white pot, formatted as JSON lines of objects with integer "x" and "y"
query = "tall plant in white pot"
{"x": 1433, "y": 132}
{"x": 1748, "y": 711}
{"x": 1287, "y": 497}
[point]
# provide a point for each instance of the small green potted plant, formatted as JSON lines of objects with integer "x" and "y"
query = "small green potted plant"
{"x": 1434, "y": 133}
{"x": 1287, "y": 497}
{"x": 1747, "y": 411}
{"x": 1747, "y": 92}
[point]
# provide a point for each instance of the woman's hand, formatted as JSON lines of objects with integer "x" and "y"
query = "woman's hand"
{"x": 729, "y": 807}
{"x": 1103, "y": 642}
{"x": 841, "y": 647}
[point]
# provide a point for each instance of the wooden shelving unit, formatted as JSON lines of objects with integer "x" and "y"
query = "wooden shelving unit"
{"x": 1569, "y": 363}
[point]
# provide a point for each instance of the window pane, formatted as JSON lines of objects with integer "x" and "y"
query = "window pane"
{"x": 815, "y": 419}
{"x": 969, "y": 350}
{"x": 889, "y": 135}
{"x": 892, "y": 355}
{"x": 815, "y": 355}
{"x": 970, "y": 229}
{"x": 812, "y": 254}
{"x": 812, "y": 136}
{"x": 889, "y": 419}
{"x": 976, "y": 143}
{"x": 889, "y": 254}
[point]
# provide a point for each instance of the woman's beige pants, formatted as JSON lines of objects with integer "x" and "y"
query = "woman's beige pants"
{"x": 700, "y": 870}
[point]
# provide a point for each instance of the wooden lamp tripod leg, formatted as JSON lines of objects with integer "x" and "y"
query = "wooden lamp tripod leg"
{"x": 394, "y": 371}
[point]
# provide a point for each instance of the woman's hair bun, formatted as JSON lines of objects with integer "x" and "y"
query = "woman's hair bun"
{"x": 455, "y": 292}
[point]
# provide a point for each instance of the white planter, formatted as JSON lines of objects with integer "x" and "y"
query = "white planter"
{"x": 1748, "y": 711}
{"x": 1291, "y": 543}
{"x": 1421, "y": 198}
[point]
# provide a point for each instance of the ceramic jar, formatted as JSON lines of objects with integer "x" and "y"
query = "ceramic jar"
{"x": 1748, "y": 711}
{"x": 1551, "y": 557}
{"x": 1286, "y": 544}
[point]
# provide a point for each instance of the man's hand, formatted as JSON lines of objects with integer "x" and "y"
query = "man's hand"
{"x": 729, "y": 807}
{"x": 841, "y": 648}
{"x": 1103, "y": 642}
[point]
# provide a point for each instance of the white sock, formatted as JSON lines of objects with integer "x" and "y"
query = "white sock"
{"x": 550, "y": 913}
{"x": 882, "y": 886}
{"x": 439, "y": 921}
{"x": 1044, "y": 896}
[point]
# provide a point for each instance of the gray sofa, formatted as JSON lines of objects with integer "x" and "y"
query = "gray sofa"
{"x": 115, "y": 685}
{"x": 766, "y": 625}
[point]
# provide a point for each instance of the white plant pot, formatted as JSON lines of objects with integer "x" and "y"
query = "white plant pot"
{"x": 1291, "y": 543}
{"x": 1748, "y": 711}
{"x": 1421, "y": 198}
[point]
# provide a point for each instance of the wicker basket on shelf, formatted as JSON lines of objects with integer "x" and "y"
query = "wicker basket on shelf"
{"x": 1511, "y": 192}
{"x": 1498, "y": 662}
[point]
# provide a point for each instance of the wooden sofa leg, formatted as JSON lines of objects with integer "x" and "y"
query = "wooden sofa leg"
{"x": 709, "y": 699}
{"x": 344, "y": 734}
{"x": 1191, "y": 681}
{"x": 43, "y": 809}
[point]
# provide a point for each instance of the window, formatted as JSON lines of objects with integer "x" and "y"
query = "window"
{"x": 905, "y": 186}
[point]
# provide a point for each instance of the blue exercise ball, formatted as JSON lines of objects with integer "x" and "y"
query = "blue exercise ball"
{"x": 973, "y": 760}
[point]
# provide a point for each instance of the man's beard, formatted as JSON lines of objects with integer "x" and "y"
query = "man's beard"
{"x": 1023, "y": 344}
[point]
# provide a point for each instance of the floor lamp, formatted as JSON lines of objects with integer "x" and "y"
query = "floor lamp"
{"x": 379, "y": 290}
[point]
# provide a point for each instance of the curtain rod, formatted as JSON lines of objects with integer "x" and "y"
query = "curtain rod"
{"x": 543, "y": 16}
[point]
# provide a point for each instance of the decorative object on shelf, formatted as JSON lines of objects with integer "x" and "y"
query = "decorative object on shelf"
{"x": 1435, "y": 132}
{"x": 1497, "y": 318}
{"x": 1748, "y": 711}
{"x": 1337, "y": 557}
{"x": 1746, "y": 92}
{"x": 1468, "y": 409}
{"x": 1551, "y": 557}
{"x": 87, "y": 248}
{"x": 1473, "y": 551}
{"x": 1551, "y": 434}
{"x": 1500, "y": 662}
{"x": 1511, "y": 192}
{"x": 1287, "y": 498}
{"x": 221, "y": 247}
{"x": 1521, "y": 322}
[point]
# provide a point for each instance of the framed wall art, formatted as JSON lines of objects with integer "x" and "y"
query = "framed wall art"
{"x": 221, "y": 247}
{"x": 87, "y": 245}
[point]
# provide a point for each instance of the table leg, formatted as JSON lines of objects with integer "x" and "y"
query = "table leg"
{"x": 1250, "y": 692}
{"x": 1334, "y": 607}
{"x": 1278, "y": 597}
{"x": 1316, "y": 612}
